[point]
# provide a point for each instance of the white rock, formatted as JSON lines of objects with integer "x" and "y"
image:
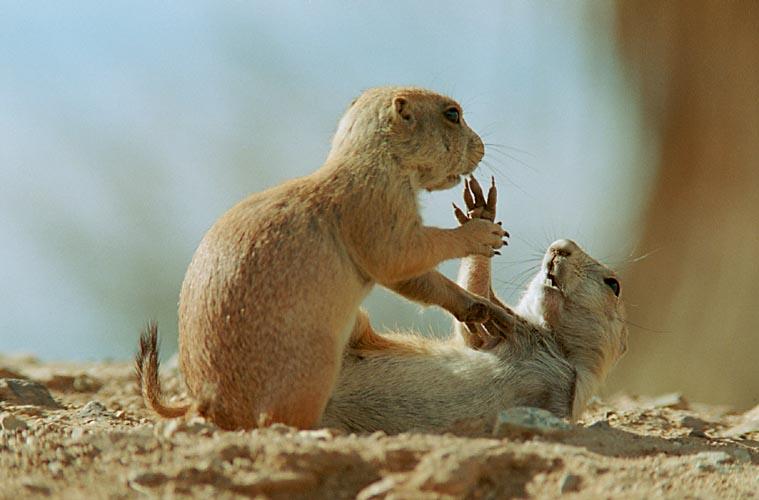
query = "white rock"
{"x": 93, "y": 410}
{"x": 522, "y": 419}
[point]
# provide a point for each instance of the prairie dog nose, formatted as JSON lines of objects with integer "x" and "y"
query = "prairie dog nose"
{"x": 564, "y": 248}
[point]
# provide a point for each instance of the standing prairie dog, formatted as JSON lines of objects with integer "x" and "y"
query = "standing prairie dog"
{"x": 273, "y": 290}
{"x": 569, "y": 331}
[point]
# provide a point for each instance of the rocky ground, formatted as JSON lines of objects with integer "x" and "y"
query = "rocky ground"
{"x": 79, "y": 430}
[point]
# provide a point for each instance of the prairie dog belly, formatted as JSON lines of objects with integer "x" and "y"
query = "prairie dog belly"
{"x": 396, "y": 393}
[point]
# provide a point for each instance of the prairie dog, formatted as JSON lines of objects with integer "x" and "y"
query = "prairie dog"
{"x": 273, "y": 290}
{"x": 570, "y": 330}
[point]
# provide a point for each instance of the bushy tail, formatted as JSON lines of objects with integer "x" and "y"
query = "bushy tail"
{"x": 146, "y": 368}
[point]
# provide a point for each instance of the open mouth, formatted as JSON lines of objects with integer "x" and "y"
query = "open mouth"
{"x": 550, "y": 281}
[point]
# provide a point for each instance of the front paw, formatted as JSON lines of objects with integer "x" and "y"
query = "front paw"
{"x": 477, "y": 206}
{"x": 485, "y": 239}
{"x": 488, "y": 324}
{"x": 477, "y": 312}
{"x": 482, "y": 237}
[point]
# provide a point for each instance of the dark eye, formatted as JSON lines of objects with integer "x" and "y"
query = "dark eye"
{"x": 452, "y": 115}
{"x": 613, "y": 284}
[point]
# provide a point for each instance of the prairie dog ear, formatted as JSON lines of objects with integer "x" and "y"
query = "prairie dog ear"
{"x": 401, "y": 106}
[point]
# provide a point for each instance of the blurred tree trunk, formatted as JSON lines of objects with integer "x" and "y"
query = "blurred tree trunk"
{"x": 696, "y": 64}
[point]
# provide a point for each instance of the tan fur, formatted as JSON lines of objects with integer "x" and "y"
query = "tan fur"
{"x": 148, "y": 383}
{"x": 272, "y": 293}
{"x": 563, "y": 342}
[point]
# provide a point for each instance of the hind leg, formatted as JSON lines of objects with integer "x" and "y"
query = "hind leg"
{"x": 363, "y": 335}
{"x": 364, "y": 338}
{"x": 303, "y": 411}
{"x": 305, "y": 384}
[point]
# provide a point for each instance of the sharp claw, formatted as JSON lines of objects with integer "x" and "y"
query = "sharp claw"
{"x": 490, "y": 340}
{"x": 492, "y": 329}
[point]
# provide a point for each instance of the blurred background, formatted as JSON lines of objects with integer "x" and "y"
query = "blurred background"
{"x": 128, "y": 128}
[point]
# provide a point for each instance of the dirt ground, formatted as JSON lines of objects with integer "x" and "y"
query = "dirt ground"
{"x": 94, "y": 439}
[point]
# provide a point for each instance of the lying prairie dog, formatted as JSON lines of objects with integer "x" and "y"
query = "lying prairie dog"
{"x": 570, "y": 330}
{"x": 273, "y": 290}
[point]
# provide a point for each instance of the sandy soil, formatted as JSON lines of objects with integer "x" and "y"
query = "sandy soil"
{"x": 94, "y": 439}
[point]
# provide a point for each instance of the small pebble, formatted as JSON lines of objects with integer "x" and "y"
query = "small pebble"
{"x": 697, "y": 426}
{"x": 714, "y": 457}
{"x": 318, "y": 434}
{"x": 674, "y": 400}
{"x": 10, "y": 422}
{"x": 742, "y": 455}
{"x": 378, "y": 489}
{"x": 710, "y": 461}
{"x": 600, "y": 425}
{"x": 92, "y": 410}
{"x": 149, "y": 479}
{"x": 36, "y": 488}
{"x": 522, "y": 419}
{"x": 26, "y": 392}
{"x": 86, "y": 383}
{"x": 570, "y": 482}
{"x": 168, "y": 428}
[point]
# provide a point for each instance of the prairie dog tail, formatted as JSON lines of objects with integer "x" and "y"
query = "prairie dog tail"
{"x": 146, "y": 368}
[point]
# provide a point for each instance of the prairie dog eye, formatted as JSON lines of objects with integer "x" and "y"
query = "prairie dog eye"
{"x": 613, "y": 284}
{"x": 452, "y": 115}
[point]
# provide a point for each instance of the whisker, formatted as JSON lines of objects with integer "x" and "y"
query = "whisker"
{"x": 510, "y": 285}
{"x": 644, "y": 256}
{"x": 522, "y": 277}
{"x": 512, "y": 262}
{"x": 491, "y": 166}
{"x": 504, "y": 146}
{"x": 514, "y": 158}
{"x": 530, "y": 271}
{"x": 500, "y": 176}
{"x": 629, "y": 259}
{"x": 537, "y": 250}
{"x": 486, "y": 130}
{"x": 645, "y": 328}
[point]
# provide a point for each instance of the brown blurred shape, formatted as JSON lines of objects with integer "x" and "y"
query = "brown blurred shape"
{"x": 697, "y": 67}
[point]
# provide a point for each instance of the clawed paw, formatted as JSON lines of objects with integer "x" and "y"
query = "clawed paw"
{"x": 478, "y": 219}
{"x": 488, "y": 324}
{"x": 478, "y": 207}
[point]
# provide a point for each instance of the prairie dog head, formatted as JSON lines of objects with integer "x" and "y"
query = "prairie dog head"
{"x": 577, "y": 298}
{"x": 422, "y": 131}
